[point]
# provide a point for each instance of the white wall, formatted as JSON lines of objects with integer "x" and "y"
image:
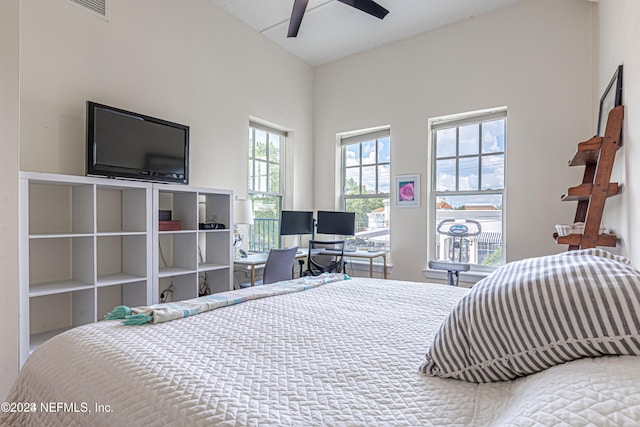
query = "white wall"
{"x": 188, "y": 62}
{"x": 536, "y": 58}
{"x": 9, "y": 77}
{"x": 184, "y": 61}
{"x": 619, "y": 41}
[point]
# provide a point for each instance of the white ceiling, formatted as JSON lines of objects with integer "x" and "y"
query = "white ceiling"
{"x": 332, "y": 30}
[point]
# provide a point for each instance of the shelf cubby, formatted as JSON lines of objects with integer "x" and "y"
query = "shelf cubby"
{"x": 60, "y": 208}
{"x": 177, "y": 251}
{"x": 36, "y": 339}
{"x": 216, "y": 209}
{"x": 52, "y": 314}
{"x": 60, "y": 264}
{"x": 213, "y": 246}
{"x": 132, "y": 294}
{"x": 121, "y": 258}
{"x": 121, "y": 210}
{"x": 184, "y": 286}
{"x": 183, "y": 207}
{"x": 218, "y": 279}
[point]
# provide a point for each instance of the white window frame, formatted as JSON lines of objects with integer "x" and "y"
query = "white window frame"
{"x": 457, "y": 121}
{"x": 353, "y": 138}
{"x": 278, "y": 193}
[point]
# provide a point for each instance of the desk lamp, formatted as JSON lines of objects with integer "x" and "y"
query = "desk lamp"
{"x": 242, "y": 215}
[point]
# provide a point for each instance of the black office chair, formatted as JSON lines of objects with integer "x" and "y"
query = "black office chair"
{"x": 325, "y": 257}
{"x": 278, "y": 267}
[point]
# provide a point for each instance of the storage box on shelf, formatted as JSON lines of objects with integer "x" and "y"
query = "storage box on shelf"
{"x": 88, "y": 244}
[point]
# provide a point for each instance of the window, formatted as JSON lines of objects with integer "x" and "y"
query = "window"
{"x": 366, "y": 185}
{"x": 469, "y": 183}
{"x": 266, "y": 185}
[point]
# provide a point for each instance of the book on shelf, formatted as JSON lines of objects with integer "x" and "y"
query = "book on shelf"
{"x": 169, "y": 225}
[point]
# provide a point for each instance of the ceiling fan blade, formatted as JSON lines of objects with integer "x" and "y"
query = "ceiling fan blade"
{"x": 368, "y": 6}
{"x": 299, "y": 6}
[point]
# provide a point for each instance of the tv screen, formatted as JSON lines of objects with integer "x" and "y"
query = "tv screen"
{"x": 333, "y": 222}
{"x": 296, "y": 222}
{"x": 130, "y": 145}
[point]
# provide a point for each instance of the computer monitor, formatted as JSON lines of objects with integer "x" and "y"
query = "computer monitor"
{"x": 296, "y": 222}
{"x": 334, "y": 222}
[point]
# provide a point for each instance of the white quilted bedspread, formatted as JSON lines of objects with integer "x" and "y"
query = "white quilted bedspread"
{"x": 345, "y": 353}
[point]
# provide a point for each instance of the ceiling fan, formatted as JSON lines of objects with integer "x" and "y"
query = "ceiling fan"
{"x": 299, "y": 7}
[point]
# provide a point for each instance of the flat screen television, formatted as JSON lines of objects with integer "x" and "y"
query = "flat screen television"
{"x": 124, "y": 144}
{"x": 296, "y": 222}
{"x": 335, "y": 222}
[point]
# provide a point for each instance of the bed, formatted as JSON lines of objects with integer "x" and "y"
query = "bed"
{"x": 347, "y": 352}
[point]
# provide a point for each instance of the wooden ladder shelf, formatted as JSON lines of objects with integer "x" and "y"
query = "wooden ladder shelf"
{"x": 597, "y": 156}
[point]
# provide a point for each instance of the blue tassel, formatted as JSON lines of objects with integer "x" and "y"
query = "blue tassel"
{"x": 137, "y": 319}
{"x": 120, "y": 312}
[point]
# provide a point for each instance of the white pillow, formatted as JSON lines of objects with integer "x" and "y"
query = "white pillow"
{"x": 536, "y": 313}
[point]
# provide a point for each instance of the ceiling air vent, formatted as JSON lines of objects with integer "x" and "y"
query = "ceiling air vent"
{"x": 96, "y": 7}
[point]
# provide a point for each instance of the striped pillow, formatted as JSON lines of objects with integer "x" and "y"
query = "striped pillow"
{"x": 536, "y": 313}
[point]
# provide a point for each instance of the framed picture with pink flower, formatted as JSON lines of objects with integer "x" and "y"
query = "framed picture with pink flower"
{"x": 408, "y": 191}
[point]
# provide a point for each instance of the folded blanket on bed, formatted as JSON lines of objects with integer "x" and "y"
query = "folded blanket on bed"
{"x": 165, "y": 312}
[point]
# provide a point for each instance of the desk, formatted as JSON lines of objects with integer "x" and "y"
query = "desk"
{"x": 359, "y": 254}
{"x": 371, "y": 256}
{"x": 256, "y": 260}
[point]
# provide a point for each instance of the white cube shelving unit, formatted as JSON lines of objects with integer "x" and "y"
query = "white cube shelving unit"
{"x": 187, "y": 257}
{"x": 88, "y": 244}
